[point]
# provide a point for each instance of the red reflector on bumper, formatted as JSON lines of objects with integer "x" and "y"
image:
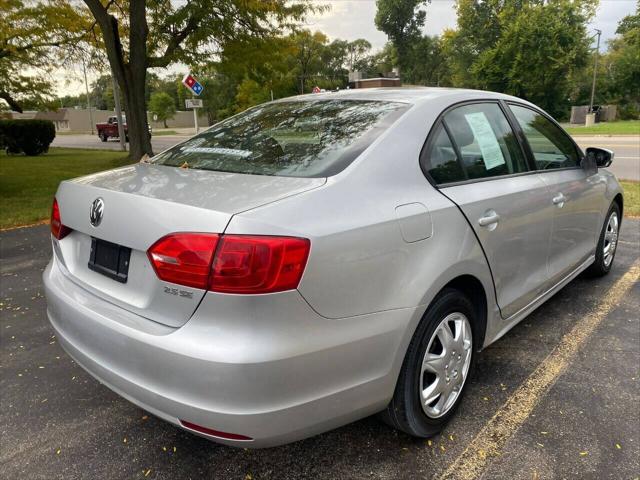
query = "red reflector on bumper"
{"x": 214, "y": 433}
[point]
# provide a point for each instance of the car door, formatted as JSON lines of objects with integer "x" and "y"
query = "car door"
{"x": 475, "y": 160}
{"x": 576, "y": 193}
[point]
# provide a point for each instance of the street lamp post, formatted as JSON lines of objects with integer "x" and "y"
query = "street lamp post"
{"x": 86, "y": 86}
{"x": 116, "y": 101}
{"x": 595, "y": 70}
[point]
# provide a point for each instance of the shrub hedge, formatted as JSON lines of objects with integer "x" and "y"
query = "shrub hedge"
{"x": 32, "y": 137}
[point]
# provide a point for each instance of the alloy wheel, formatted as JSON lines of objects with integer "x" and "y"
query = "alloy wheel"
{"x": 445, "y": 365}
{"x": 610, "y": 239}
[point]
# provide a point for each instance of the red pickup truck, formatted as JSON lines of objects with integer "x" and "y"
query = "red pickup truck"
{"x": 109, "y": 129}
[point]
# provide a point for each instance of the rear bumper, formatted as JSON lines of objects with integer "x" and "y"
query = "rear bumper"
{"x": 266, "y": 367}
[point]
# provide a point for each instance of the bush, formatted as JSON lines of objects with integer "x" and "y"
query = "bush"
{"x": 32, "y": 137}
{"x": 629, "y": 111}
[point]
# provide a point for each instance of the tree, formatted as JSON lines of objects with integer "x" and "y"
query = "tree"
{"x": 34, "y": 36}
{"x": 532, "y": 49}
{"x": 333, "y": 60}
{"x": 357, "y": 54}
{"x": 308, "y": 54}
{"x": 163, "y": 105}
{"x": 138, "y": 35}
{"x": 248, "y": 72}
{"x": 621, "y": 80}
{"x": 402, "y": 21}
{"x": 427, "y": 64}
{"x": 383, "y": 61}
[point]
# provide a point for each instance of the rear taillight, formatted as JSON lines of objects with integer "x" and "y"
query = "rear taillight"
{"x": 241, "y": 264}
{"x": 58, "y": 230}
{"x": 184, "y": 258}
{"x": 256, "y": 264}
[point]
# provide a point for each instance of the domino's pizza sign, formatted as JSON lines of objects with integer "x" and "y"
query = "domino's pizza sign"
{"x": 192, "y": 84}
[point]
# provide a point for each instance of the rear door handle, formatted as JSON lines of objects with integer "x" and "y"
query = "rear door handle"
{"x": 559, "y": 200}
{"x": 489, "y": 218}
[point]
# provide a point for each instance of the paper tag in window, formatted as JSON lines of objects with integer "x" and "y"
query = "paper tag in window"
{"x": 486, "y": 139}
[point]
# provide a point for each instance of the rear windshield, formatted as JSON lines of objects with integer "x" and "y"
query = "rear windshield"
{"x": 297, "y": 139}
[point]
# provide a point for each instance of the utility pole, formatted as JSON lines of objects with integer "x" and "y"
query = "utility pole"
{"x": 86, "y": 86}
{"x": 116, "y": 99}
{"x": 595, "y": 70}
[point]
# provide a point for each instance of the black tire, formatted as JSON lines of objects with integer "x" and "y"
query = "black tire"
{"x": 405, "y": 412}
{"x": 104, "y": 137}
{"x": 599, "y": 267}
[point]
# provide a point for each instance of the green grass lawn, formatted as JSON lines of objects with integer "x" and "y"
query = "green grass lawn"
{"x": 631, "y": 198}
{"x": 27, "y": 184}
{"x": 621, "y": 127}
{"x": 159, "y": 133}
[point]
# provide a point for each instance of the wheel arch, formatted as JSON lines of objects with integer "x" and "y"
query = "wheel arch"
{"x": 473, "y": 289}
{"x": 618, "y": 199}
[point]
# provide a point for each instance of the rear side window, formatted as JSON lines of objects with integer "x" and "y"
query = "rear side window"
{"x": 485, "y": 141}
{"x": 440, "y": 160}
{"x": 315, "y": 138}
{"x": 551, "y": 147}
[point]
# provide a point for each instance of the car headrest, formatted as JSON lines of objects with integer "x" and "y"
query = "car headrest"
{"x": 459, "y": 128}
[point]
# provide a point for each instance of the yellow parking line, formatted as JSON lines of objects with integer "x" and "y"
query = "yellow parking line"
{"x": 488, "y": 443}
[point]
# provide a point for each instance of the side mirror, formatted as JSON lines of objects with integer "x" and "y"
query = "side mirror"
{"x": 602, "y": 157}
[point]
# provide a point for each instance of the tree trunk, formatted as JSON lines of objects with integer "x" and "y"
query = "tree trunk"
{"x": 164, "y": 122}
{"x": 135, "y": 104}
{"x": 136, "y": 76}
{"x": 130, "y": 76}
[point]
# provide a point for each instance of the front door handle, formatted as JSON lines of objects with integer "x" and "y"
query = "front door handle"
{"x": 559, "y": 200}
{"x": 489, "y": 218}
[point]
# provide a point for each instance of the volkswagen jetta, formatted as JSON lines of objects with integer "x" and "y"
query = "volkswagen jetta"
{"x": 322, "y": 258}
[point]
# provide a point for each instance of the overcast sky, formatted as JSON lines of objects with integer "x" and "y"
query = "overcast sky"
{"x": 351, "y": 19}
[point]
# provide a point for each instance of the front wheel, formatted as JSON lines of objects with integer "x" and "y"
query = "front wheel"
{"x": 436, "y": 367}
{"x": 104, "y": 137}
{"x": 607, "y": 243}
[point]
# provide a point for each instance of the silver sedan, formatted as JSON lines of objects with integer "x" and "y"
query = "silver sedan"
{"x": 321, "y": 258}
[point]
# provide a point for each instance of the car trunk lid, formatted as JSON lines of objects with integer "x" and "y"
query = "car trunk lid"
{"x": 143, "y": 203}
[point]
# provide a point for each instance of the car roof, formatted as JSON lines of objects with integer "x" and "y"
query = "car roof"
{"x": 412, "y": 95}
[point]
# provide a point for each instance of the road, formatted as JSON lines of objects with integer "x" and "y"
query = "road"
{"x": 57, "y": 422}
{"x": 158, "y": 142}
{"x": 626, "y": 164}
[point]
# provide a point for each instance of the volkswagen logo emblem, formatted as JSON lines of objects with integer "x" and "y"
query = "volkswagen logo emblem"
{"x": 97, "y": 212}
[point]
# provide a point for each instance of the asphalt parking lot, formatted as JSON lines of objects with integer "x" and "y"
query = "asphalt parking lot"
{"x": 58, "y": 422}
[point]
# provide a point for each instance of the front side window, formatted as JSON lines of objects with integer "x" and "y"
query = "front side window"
{"x": 485, "y": 141}
{"x": 551, "y": 147}
{"x": 316, "y": 138}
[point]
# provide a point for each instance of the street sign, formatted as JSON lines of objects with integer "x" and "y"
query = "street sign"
{"x": 192, "y": 84}
{"x": 193, "y": 103}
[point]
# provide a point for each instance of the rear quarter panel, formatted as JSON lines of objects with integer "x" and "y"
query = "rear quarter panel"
{"x": 359, "y": 262}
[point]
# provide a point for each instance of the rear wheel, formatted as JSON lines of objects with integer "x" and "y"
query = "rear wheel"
{"x": 436, "y": 367}
{"x": 607, "y": 243}
{"x": 104, "y": 137}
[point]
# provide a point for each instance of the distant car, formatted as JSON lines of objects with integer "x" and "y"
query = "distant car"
{"x": 322, "y": 258}
{"x": 109, "y": 129}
